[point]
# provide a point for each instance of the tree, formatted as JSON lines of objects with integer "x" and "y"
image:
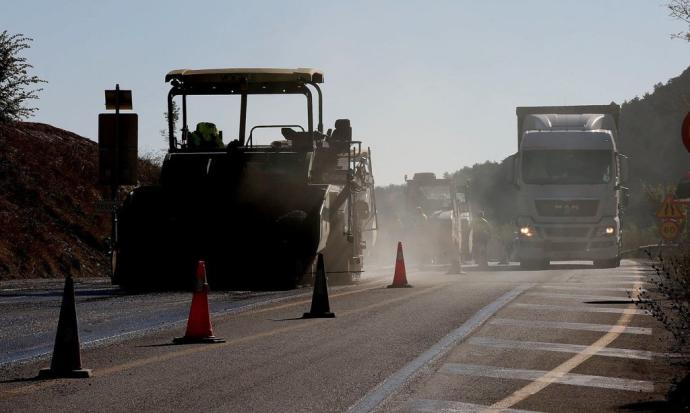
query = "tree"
{"x": 175, "y": 117}
{"x": 680, "y": 9}
{"x": 15, "y": 81}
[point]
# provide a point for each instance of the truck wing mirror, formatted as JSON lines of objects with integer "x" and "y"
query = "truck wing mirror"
{"x": 624, "y": 168}
{"x": 509, "y": 167}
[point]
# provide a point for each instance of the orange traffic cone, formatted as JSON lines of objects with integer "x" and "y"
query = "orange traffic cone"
{"x": 66, "y": 361}
{"x": 199, "y": 328}
{"x": 400, "y": 277}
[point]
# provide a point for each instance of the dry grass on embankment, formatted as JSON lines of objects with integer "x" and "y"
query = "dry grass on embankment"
{"x": 668, "y": 299}
{"x": 48, "y": 222}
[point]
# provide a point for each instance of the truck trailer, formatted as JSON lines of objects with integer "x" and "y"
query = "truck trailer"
{"x": 570, "y": 181}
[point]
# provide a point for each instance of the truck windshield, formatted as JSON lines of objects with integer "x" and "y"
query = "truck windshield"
{"x": 436, "y": 197}
{"x": 566, "y": 167}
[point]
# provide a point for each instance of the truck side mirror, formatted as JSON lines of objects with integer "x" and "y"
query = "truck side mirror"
{"x": 626, "y": 198}
{"x": 509, "y": 167}
{"x": 624, "y": 168}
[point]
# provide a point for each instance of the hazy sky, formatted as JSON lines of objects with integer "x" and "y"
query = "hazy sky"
{"x": 429, "y": 85}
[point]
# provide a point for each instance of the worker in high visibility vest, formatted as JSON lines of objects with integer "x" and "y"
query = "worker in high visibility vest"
{"x": 206, "y": 136}
{"x": 481, "y": 234}
{"x": 418, "y": 233}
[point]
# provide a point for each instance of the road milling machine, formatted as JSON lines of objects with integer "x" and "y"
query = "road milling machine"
{"x": 258, "y": 214}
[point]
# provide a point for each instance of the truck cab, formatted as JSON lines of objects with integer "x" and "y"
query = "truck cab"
{"x": 570, "y": 178}
{"x": 445, "y": 238}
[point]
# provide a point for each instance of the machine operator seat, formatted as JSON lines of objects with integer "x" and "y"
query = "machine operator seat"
{"x": 341, "y": 137}
{"x": 300, "y": 141}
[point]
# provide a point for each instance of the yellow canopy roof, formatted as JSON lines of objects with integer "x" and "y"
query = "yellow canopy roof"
{"x": 252, "y": 75}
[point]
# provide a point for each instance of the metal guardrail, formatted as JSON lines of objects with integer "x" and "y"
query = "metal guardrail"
{"x": 659, "y": 248}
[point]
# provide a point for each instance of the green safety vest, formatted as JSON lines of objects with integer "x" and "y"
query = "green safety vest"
{"x": 205, "y": 136}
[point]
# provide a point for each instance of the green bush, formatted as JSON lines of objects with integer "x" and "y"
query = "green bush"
{"x": 15, "y": 82}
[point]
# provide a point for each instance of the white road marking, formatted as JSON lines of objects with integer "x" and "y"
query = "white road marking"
{"x": 591, "y": 288}
{"x": 558, "y": 372}
{"x": 447, "y": 406}
{"x": 563, "y": 348}
{"x": 589, "y": 282}
{"x": 582, "y": 296}
{"x": 572, "y": 379}
{"x": 627, "y": 277}
{"x": 389, "y": 386}
{"x": 571, "y": 326}
{"x": 258, "y": 305}
{"x": 582, "y": 308}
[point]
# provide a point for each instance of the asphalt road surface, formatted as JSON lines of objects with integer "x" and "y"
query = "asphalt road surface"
{"x": 566, "y": 339}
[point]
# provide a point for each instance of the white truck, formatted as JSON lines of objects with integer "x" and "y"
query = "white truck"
{"x": 569, "y": 178}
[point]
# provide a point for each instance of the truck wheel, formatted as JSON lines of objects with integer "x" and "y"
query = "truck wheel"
{"x": 531, "y": 265}
{"x": 608, "y": 263}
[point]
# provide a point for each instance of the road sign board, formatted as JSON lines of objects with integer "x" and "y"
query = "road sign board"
{"x": 685, "y": 132}
{"x": 125, "y": 171}
{"x": 670, "y": 210}
{"x": 669, "y": 230}
{"x": 117, "y": 96}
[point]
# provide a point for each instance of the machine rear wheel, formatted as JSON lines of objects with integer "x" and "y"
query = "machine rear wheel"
{"x": 145, "y": 258}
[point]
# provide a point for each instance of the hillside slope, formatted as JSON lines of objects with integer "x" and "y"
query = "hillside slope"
{"x": 47, "y": 196}
{"x": 650, "y": 137}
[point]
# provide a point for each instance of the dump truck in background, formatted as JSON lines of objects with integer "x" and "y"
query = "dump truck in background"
{"x": 437, "y": 220}
{"x": 258, "y": 214}
{"x": 569, "y": 178}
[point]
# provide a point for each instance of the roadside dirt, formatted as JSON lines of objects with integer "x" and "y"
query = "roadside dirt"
{"x": 48, "y": 222}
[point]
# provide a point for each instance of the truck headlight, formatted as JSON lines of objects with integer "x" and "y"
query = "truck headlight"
{"x": 607, "y": 231}
{"x": 526, "y": 231}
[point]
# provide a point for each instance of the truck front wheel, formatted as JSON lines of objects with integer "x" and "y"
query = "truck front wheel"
{"x": 534, "y": 264}
{"x": 608, "y": 263}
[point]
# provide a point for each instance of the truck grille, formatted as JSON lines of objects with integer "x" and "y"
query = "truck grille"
{"x": 566, "y": 232}
{"x": 567, "y": 246}
{"x": 603, "y": 244}
{"x": 567, "y": 208}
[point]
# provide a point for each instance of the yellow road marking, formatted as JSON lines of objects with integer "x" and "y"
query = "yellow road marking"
{"x": 199, "y": 349}
{"x": 550, "y": 377}
{"x": 301, "y": 302}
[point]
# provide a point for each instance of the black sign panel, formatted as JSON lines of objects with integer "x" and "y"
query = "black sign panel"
{"x": 125, "y": 171}
{"x": 121, "y": 97}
